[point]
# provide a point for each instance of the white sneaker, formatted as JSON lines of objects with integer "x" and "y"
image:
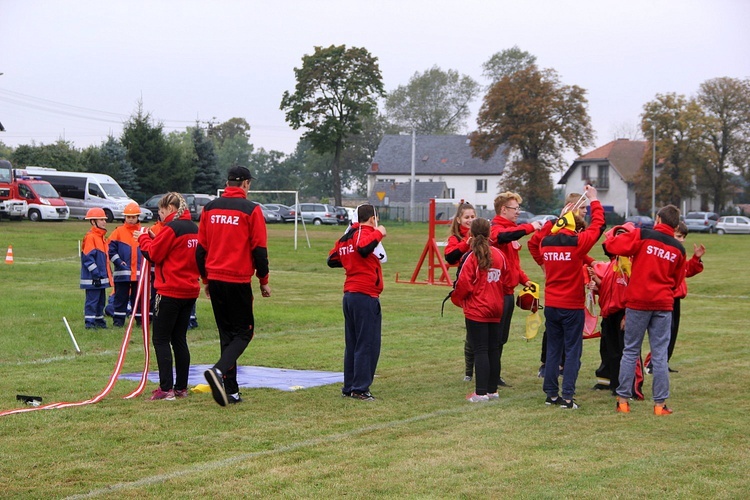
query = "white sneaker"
{"x": 476, "y": 398}
{"x": 493, "y": 395}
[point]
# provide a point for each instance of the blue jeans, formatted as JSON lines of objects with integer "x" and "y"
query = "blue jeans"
{"x": 658, "y": 324}
{"x": 564, "y": 333}
{"x": 362, "y": 322}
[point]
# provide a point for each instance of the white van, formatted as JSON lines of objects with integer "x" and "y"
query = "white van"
{"x": 84, "y": 190}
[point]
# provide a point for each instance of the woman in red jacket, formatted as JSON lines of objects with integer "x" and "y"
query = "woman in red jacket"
{"x": 479, "y": 291}
{"x": 172, "y": 251}
{"x": 457, "y": 246}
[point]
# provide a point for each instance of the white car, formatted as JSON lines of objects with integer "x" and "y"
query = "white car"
{"x": 733, "y": 224}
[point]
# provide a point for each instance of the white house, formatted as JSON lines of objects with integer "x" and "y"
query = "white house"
{"x": 612, "y": 169}
{"x": 438, "y": 159}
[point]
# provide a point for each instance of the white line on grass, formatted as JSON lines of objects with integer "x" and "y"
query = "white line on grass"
{"x": 217, "y": 464}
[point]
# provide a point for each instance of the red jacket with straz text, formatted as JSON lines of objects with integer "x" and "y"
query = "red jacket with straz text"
{"x": 658, "y": 266}
{"x": 232, "y": 241}
{"x": 354, "y": 252}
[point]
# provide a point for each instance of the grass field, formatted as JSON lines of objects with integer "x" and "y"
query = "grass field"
{"x": 420, "y": 439}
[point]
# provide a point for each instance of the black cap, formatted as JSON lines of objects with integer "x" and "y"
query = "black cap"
{"x": 239, "y": 174}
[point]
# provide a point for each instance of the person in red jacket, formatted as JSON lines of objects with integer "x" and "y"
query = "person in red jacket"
{"x": 362, "y": 288}
{"x": 232, "y": 246}
{"x": 457, "y": 246}
{"x": 658, "y": 269}
{"x": 693, "y": 266}
{"x": 611, "y": 282}
{"x": 479, "y": 292}
{"x": 564, "y": 253}
{"x": 504, "y": 234}
{"x": 172, "y": 251}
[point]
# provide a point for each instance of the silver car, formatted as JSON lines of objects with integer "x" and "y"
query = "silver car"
{"x": 318, "y": 213}
{"x": 733, "y": 224}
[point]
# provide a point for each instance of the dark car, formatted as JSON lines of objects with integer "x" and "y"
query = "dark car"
{"x": 270, "y": 216}
{"x": 286, "y": 213}
{"x": 153, "y": 203}
{"x": 342, "y": 215}
{"x": 196, "y": 202}
{"x": 524, "y": 217}
{"x": 641, "y": 221}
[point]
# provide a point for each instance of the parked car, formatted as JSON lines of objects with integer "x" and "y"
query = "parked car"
{"x": 543, "y": 218}
{"x": 196, "y": 202}
{"x": 733, "y": 224}
{"x": 524, "y": 217}
{"x": 701, "y": 222}
{"x": 342, "y": 215}
{"x": 146, "y": 215}
{"x": 153, "y": 203}
{"x": 270, "y": 216}
{"x": 641, "y": 221}
{"x": 318, "y": 213}
{"x": 286, "y": 213}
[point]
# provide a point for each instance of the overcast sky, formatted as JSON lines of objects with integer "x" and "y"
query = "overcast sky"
{"x": 76, "y": 69}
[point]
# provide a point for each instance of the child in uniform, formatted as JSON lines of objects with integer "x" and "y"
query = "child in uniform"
{"x": 94, "y": 269}
{"x": 126, "y": 259}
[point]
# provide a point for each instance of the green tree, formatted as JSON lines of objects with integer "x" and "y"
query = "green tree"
{"x": 208, "y": 178}
{"x": 507, "y": 62}
{"x": 534, "y": 119}
{"x": 159, "y": 164}
{"x": 336, "y": 88}
{"x": 234, "y": 127}
{"x": 235, "y": 150}
{"x": 5, "y": 151}
{"x": 61, "y": 155}
{"x": 433, "y": 102}
{"x": 726, "y": 104}
{"x": 110, "y": 158}
{"x": 679, "y": 125}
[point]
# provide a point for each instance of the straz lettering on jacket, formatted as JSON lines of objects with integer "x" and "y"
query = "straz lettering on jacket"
{"x": 493, "y": 275}
{"x": 192, "y": 243}
{"x": 346, "y": 250}
{"x": 556, "y": 256}
{"x": 661, "y": 253}
{"x": 233, "y": 220}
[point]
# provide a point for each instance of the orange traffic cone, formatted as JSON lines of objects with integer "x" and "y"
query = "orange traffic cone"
{"x": 9, "y": 255}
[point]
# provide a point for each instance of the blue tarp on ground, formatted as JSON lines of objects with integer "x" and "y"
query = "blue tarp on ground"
{"x": 259, "y": 376}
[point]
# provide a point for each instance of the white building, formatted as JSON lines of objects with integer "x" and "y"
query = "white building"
{"x": 438, "y": 159}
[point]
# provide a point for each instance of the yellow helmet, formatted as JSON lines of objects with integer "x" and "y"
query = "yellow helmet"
{"x": 132, "y": 209}
{"x": 95, "y": 213}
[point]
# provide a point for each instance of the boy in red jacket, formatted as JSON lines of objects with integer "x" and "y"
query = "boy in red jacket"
{"x": 362, "y": 288}
{"x": 658, "y": 268}
{"x": 563, "y": 254}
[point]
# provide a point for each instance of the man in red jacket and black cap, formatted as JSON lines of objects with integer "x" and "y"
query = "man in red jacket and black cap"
{"x": 232, "y": 246}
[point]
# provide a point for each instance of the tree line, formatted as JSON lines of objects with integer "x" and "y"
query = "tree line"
{"x": 527, "y": 113}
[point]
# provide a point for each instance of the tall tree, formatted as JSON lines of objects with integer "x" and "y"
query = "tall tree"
{"x": 726, "y": 103}
{"x": 229, "y": 129}
{"x": 110, "y": 158}
{"x": 507, "y": 62}
{"x": 205, "y": 163}
{"x": 235, "y": 150}
{"x": 433, "y": 102}
{"x": 679, "y": 127}
{"x": 535, "y": 119}
{"x": 160, "y": 166}
{"x": 336, "y": 88}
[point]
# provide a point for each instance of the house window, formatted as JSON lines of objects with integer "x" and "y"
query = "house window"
{"x": 602, "y": 179}
{"x": 451, "y": 193}
{"x": 392, "y": 181}
{"x": 585, "y": 173}
{"x": 481, "y": 185}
